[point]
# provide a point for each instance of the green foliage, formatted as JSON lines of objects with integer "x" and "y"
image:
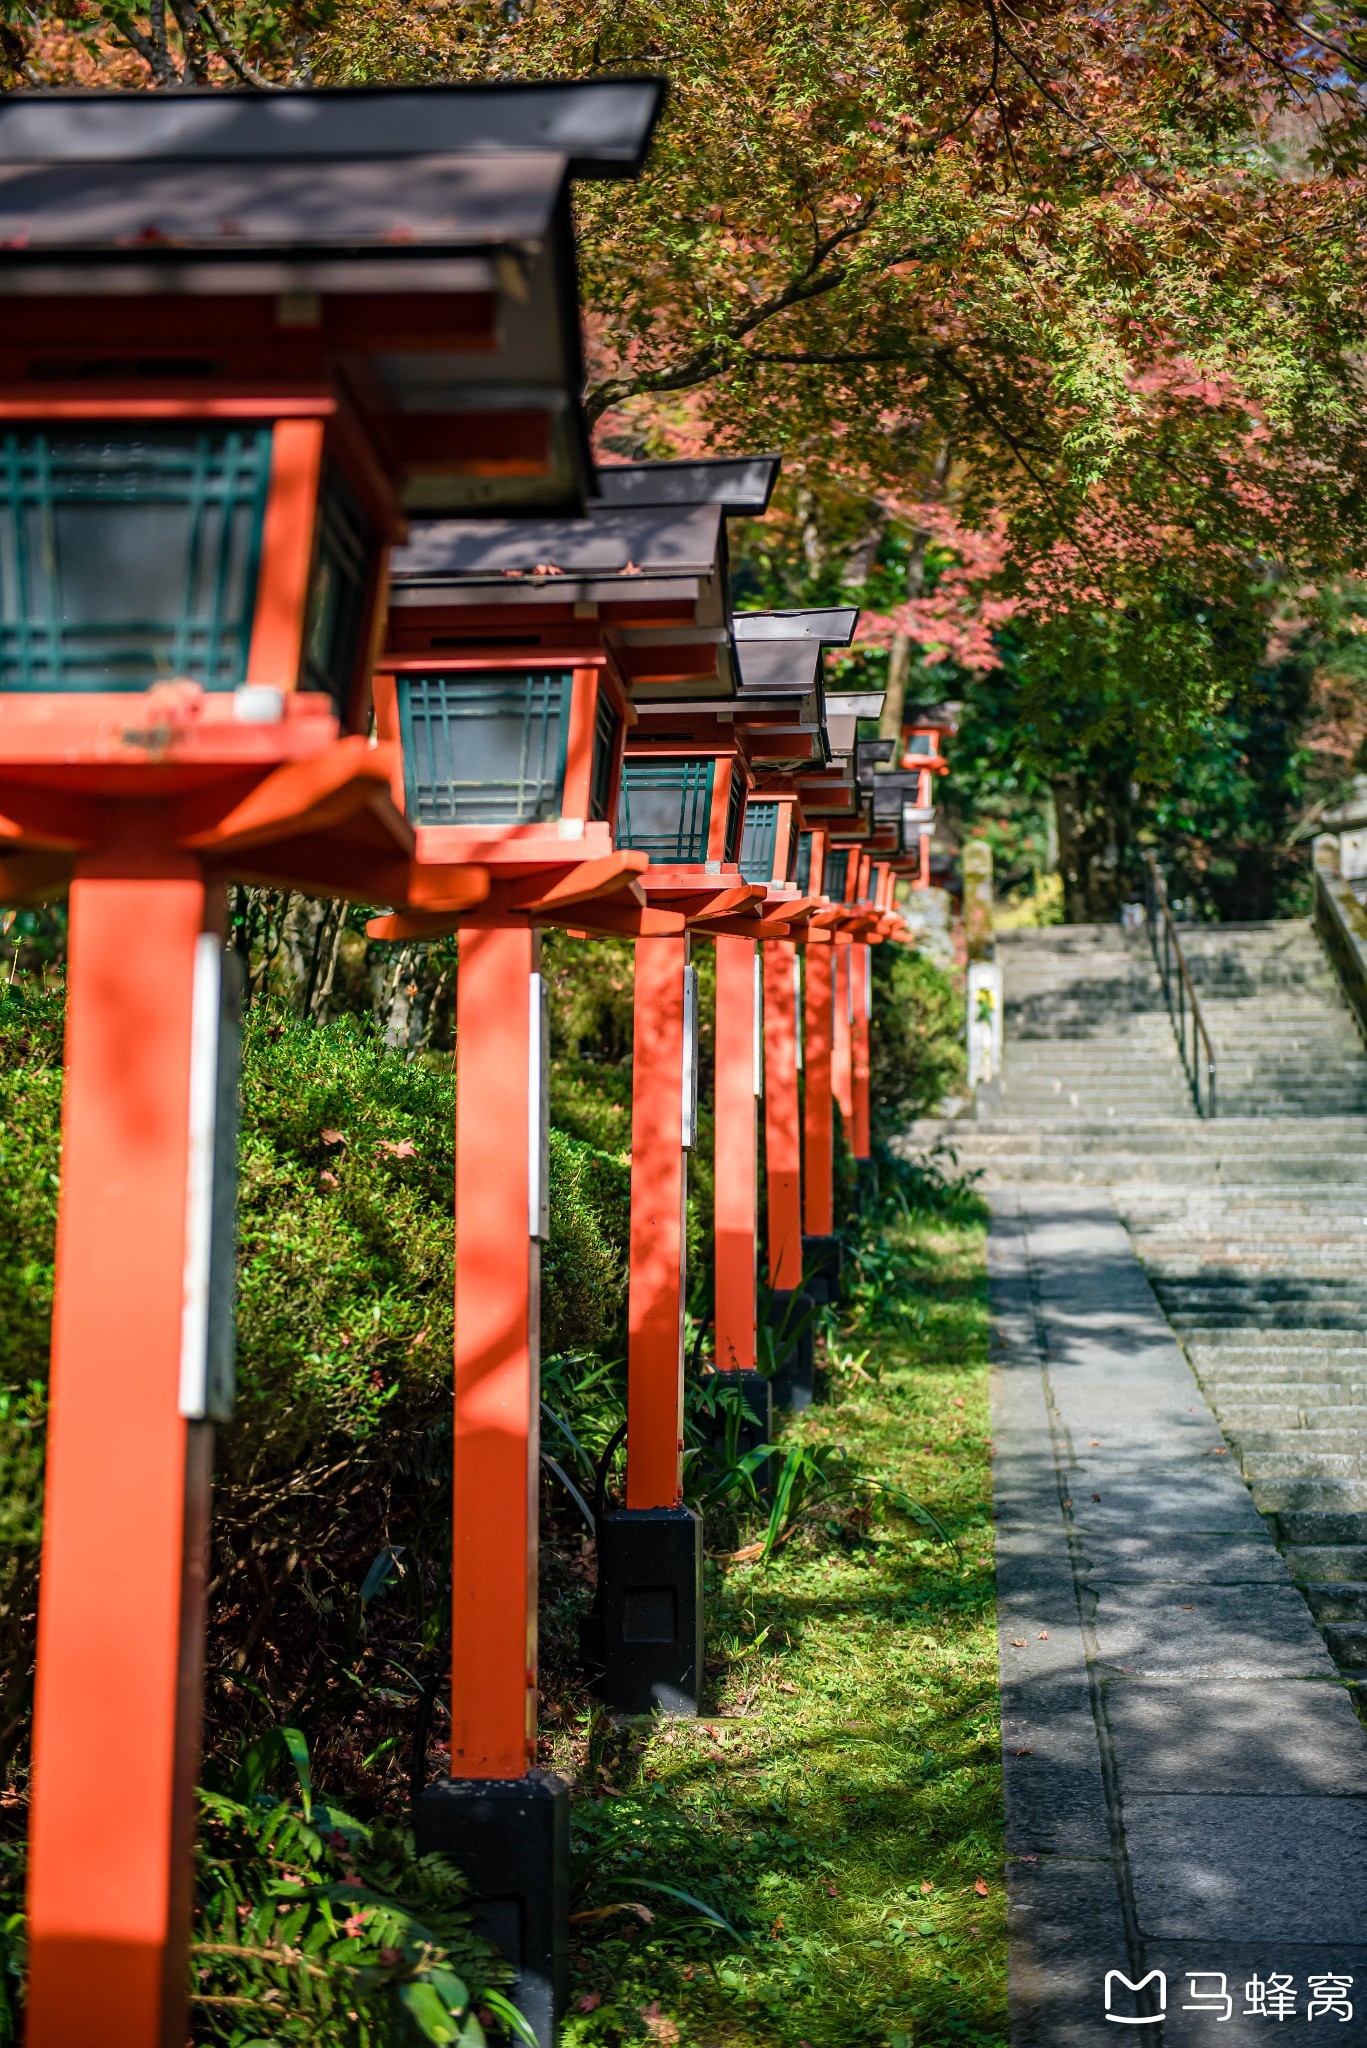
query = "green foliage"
{"x": 583, "y": 1267}
{"x": 916, "y": 1041}
{"x": 312, "y": 1926}
{"x": 802, "y": 1866}
{"x": 30, "y": 1139}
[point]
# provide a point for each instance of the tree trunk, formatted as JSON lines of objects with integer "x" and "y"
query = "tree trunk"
{"x": 1093, "y": 812}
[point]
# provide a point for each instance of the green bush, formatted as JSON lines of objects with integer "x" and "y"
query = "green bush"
{"x": 916, "y": 1044}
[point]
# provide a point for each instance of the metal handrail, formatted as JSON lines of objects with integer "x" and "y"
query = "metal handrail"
{"x": 1178, "y": 990}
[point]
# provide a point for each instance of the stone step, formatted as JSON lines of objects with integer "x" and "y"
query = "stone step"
{"x": 1319, "y": 1562}
{"x": 1346, "y": 1643}
{"x": 1327, "y": 1494}
{"x": 1259, "y": 1422}
{"x": 1297, "y": 1452}
{"x": 1342, "y": 1526}
{"x": 1336, "y": 1599}
{"x": 1267, "y": 1467}
{"x": 1256, "y": 1406}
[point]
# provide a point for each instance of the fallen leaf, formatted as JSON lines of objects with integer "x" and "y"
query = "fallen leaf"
{"x": 328, "y": 1180}
{"x": 980, "y": 1887}
{"x": 926, "y": 1885}
{"x": 1044, "y": 1635}
{"x": 1022, "y": 1752}
{"x": 1029, "y": 1859}
{"x": 831, "y": 1892}
{"x": 1096, "y": 1496}
{"x": 399, "y": 1148}
{"x": 333, "y": 1138}
{"x": 589, "y": 2001}
{"x": 1018, "y": 1642}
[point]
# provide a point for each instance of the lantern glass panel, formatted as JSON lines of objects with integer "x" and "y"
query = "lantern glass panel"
{"x": 665, "y": 808}
{"x": 484, "y": 749}
{"x": 129, "y": 556}
{"x": 921, "y": 743}
{"x": 757, "y": 844}
{"x": 836, "y": 873}
{"x": 803, "y": 873}
{"x": 607, "y": 727}
{"x": 337, "y": 600}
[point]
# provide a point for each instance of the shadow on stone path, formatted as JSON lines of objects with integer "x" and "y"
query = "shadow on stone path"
{"x": 1186, "y": 1779}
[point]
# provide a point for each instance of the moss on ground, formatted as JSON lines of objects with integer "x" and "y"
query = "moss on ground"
{"x": 841, "y": 1812}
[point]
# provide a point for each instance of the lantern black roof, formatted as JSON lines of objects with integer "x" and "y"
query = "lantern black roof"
{"x": 831, "y": 626}
{"x": 600, "y": 127}
{"x": 565, "y": 557}
{"x": 311, "y": 199}
{"x": 385, "y": 173}
{"x": 741, "y": 485}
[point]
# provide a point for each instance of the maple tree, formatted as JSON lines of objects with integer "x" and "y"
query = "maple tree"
{"x": 1068, "y": 298}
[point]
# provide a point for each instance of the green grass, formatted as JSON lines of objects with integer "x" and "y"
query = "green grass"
{"x": 841, "y": 1812}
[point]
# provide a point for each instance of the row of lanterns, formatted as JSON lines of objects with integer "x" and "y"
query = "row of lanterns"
{"x": 307, "y": 579}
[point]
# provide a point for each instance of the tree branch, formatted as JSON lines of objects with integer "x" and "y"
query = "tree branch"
{"x": 229, "y": 52}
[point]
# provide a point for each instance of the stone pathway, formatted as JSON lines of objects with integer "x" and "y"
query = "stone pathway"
{"x": 1252, "y": 1227}
{"x": 1186, "y": 1779}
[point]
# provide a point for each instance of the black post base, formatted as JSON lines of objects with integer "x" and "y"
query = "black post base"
{"x": 511, "y": 1837}
{"x": 822, "y": 1263}
{"x": 650, "y": 1601}
{"x": 789, "y": 1313}
{"x": 756, "y": 1424}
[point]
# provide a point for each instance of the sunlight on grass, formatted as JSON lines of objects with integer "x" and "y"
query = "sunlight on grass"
{"x": 841, "y": 1814}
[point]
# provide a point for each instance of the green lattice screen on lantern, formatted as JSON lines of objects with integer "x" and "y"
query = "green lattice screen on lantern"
{"x": 486, "y": 748}
{"x": 835, "y": 873}
{"x": 129, "y": 556}
{"x": 337, "y": 597}
{"x": 665, "y": 808}
{"x": 607, "y": 726}
{"x": 803, "y": 873}
{"x": 757, "y": 845}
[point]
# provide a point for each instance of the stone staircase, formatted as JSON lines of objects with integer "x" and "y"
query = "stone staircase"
{"x": 1252, "y": 1226}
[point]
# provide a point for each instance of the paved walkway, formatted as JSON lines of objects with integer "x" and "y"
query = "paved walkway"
{"x": 1186, "y": 1778}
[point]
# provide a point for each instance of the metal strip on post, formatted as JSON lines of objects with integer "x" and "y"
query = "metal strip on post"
{"x": 798, "y": 1019}
{"x": 538, "y": 1111}
{"x": 207, "y": 1351}
{"x": 690, "y": 1058}
{"x": 759, "y": 1027}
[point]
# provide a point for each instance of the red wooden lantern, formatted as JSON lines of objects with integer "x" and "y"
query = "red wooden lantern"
{"x": 512, "y": 651}
{"x": 243, "y": 333}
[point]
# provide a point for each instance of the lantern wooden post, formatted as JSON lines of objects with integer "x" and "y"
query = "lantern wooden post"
{"x": 650, "y": 1551}
{"x": 737, "y": 1176}
{"x": 861, "y": 970}
{"x": 121, "y": 1609}
{"x": 820, "y": 1245}
{"x": 788, "y": 1310}
{"x": 502, "y": 1820}
{"x": 782, "y": 1116}
{"x": 842, "y": 1066}
{"x": 739, "y": 1058}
